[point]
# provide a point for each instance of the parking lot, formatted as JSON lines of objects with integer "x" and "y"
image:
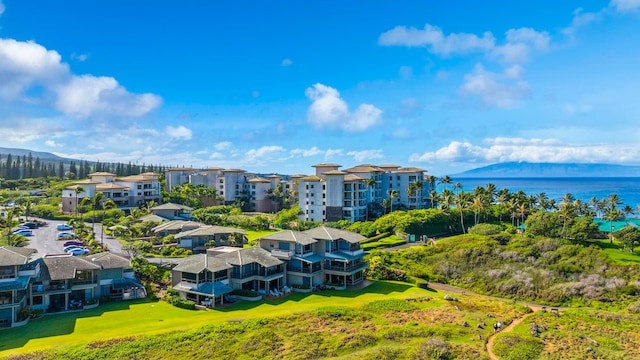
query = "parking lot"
{"x": 44, "y": 239}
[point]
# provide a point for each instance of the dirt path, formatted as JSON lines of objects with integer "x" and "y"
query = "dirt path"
{"x": 513, "y": 324}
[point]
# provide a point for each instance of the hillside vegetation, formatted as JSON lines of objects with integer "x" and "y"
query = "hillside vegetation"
{"x": 543, "y": 270}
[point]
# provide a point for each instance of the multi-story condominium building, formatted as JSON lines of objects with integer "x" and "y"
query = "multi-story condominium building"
{"x": 288, "y": 258}
{"x": 318, "y": 256}
{"x": 126, "y": 191}
{"x": 208, "y": 277}
{"x": 330, "y": 194}
{"x": 57, "y": 283}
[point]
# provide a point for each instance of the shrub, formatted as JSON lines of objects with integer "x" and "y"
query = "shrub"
{"x": 177, "y": 301}
{"x": 485, "y": 229}
{"x": 247, "y": 293}
{"x": 389, "y": 305}
{"x": 301, "y": 286}
{"x": 511, "y": 346}
{"x": 433, "y": 348}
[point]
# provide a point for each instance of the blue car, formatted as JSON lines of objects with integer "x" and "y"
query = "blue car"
{"x": 23, "y": 232}
{"x": 63, "y": 227}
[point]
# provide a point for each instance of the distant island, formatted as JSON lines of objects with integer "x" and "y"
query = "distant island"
{"x": 528, "y": 170}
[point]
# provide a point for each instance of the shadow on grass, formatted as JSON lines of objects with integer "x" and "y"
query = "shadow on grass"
{"x": 376, "y": 287}
{"x": 604, "y": 244}
{"x": 56, "y": 324}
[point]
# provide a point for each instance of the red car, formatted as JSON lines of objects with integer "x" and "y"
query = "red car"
{"x": 73, "y": 242}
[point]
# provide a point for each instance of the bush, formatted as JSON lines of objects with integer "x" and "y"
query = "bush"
{"x": 301, "y": 286}
{"x": 511, "y": 346}
{"x": 485, "y": 229}
{"x": 389, "y": 305}
{"x": 177, "y": 301}
{"x": 433, "y": 348}
{"x": 247, "y": 293}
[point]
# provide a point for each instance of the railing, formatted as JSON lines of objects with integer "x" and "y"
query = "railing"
{"x": 346, "y": 268}
{"x": 274, "y": 272}
{"x": 282, "y": 253}
{"x": 237, "y": 275}
{"x": 305, "y": 270}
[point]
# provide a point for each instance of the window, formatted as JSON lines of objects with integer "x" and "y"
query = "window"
{"x": 312, "y": 186}
{"x": 37, "y": 300}
{"x": 139, "y": 186}
{"x": 312, "y": 210}
{"x": 324, "y": 187}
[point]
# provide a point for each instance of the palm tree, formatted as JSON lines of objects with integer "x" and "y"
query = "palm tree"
{"x": 612, "y": 215}
{"x": 419, "y": 186}
{"x": 78, "y": 190}
{"x": 566, "y": 212}
{"x": 386, "y": 203}
{"x": 447, "y": 199}
{"x": 457, "y": 186}
{"x": 431, "y": 180}
{"x": 445, "y": 180}
{"x": 478, "y": 205}
{"x": 371, "y": 184}
{"x": 628, "y": 210}
{"x": 433, "y": 197}
{"x": 462, "y": 201}
{"x": 543, "y": 200}
{"x": 96, "y": 202}
{"x": 106, "y": 205}
{"x": 392, "y": 195}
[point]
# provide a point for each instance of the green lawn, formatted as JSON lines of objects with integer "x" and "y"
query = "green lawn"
{"x": 255, "y": 234}
{"x": 616, "y": 253}
{"x": 146, "y": 317}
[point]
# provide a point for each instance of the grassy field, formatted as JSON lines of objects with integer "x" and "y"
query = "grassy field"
{"x": 255, "y": 234}
{"x": 146, "y": 317}
{"x": 616, "y": 253}
{"x": 377, "y": 322}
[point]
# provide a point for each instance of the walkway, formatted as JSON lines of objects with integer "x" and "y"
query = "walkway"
{"x": 534, "y": 307}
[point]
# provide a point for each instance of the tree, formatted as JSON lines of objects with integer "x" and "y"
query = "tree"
{"x": 78, "y": 190}
{"x": 612, "y": 215}
{"x": 629, "y": 236}
{"x": 392, "y": 195}
{"x": 462, "y": 201}
{"x": 445, "y": 180}
{"x": 106, "y": 205}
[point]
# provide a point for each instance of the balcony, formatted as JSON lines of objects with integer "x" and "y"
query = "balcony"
{"x": 305, "y": 269}
{"x": 282, "y": 253}
{"x": 346, "y": 267}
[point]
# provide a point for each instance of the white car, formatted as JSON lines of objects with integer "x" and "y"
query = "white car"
{"x": 66, "y": 235}
{"x": 78, "y": 251}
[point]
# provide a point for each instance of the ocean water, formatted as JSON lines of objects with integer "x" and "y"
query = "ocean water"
{"x": 582, "y": 188}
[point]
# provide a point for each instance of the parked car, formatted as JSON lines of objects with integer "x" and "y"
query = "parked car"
{"x": 29, "y": 225}
{"x": 71, "y": 247}
{"x": 66, "y": 235}
{"x": 23, "y": 232}
{"x": 73, "y": 242}
{"x": 63, "y": 227}
{"x": 78, "y": 251}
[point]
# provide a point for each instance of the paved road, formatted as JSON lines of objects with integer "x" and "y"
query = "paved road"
{"x": 44, "y": 239}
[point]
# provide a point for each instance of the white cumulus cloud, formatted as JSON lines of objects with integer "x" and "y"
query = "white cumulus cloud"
{"x": 439, "y": 43}
{"x": 25, "y": 65}
{"x": 265, "y": 152}
{"x": 504, "y": 90}
{"x": 286, "y": 62}
{"x": 306, "y": 152}
{"x": 52, "y": 143}
{"x": 223, "y": 145}
{"x": 179, "y": 132}
{"x": 532, "y": 150}
{"x": 625, "y": 5}
{"x": 364, "y": 155}
{"x": 87, "y": 95}
{"x": 329, "y": 110}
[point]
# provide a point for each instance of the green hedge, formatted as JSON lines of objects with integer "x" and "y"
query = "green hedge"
{"x": 177, "y": 301}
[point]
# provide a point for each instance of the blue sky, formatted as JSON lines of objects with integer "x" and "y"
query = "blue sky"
{"x": 279, "y": 86}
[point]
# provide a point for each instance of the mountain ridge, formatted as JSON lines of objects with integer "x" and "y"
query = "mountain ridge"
{"x": 529, "y": 169}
